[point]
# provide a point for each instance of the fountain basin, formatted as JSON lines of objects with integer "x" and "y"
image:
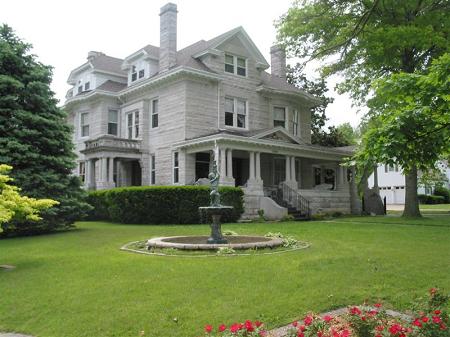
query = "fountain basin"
{"x": 201, "y": 242}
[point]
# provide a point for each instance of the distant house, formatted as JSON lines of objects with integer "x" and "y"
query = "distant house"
{"x": 154, "y": 117}
{"x": 391, "y": 182}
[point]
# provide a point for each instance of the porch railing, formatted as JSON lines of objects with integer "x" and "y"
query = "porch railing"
{"x": 294, "y": 199}
{"x": 112, "y": 142}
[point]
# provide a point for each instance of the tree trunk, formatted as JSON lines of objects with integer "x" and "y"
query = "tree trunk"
{"x": 411, "y": 198}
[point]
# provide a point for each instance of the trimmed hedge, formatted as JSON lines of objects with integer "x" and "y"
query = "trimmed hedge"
{"x": 160, "y": 204}
{"x": 431, "y": 199}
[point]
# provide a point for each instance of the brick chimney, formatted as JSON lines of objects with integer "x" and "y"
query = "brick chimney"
{"x": 278, "y": 62}
{"x": 167, "y": 36}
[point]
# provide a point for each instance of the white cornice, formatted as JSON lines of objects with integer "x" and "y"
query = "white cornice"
{"x": 89, "y": 95}
{"x": 275, "y": 91}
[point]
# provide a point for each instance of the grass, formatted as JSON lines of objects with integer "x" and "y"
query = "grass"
{"x": 428, "y": 209}
{"x": 79, "y": 284}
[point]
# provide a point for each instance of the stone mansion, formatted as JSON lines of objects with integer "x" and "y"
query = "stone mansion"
{"x": 154, "y": 117}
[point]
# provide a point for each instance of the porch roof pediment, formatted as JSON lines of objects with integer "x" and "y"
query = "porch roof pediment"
{"x": 278, "y": 134}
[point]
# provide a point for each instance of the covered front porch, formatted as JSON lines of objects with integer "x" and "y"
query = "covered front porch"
{"x": 278, "y": 167}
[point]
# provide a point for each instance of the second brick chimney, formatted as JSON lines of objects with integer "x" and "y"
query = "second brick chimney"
{"x": 168, "y": 36}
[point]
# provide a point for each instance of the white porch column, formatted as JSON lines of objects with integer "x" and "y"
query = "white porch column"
{"x": 223, "y": 158}
{"x": 111, "y": 172}
{"x": 252, "y": 166}
{"x": 258, "y": 165}
{"x": 288, "y": 169}
{"x": 293, "y": 179}
{"x": 230, "y": 163}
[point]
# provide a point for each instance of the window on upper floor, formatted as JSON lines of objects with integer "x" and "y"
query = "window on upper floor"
{"x": 235, "y": 112}
{"x": 155, "y": 113}
{"x": 133, "y": 74}
{"x": 141, "y": 73}
{"x": 294, "y": 123}
{"x": 87, "y": 86}
{"x": 279, "y": 116}
{"x": 84, "y": 124}
{"x": 176, "y": 168}
{"x": 235, "y": 65}
{"x": 133, "y": 125}
{"x": 113, "y": 122}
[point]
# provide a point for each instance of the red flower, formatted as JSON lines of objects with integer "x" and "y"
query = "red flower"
{"x": 377, "y": 305}
{"x": 417, "y": 323}
{"x": 363, "y": 318}
{"x": 300, "y": 334}
{"x": 222, "y": 328}
{"x": 235, "y": 327}
{"x": 372, "y": 313}
{"x": 302, "y": 328}
{"x": 249, "y": 326}
{"x": 319, "y": 333}
{"x": 327, "y": 318}
{"x": 308, "y": 320}
{"x": 395, "y": 329}
{"x": 437, "y": 319}
{"x": 262, "y": 333}
{"x": 258, "y": 324}
{"x": 345, "y": 333}
{"x": 437, "y": 312}
{"x": 355, "y": 311}
{"x": 294, "y": 324}
{"x": 442, "y": 326}
{"x": 379, "y": 328}
{"x": 425, "y": 319}
{"x": 208, "y": 328}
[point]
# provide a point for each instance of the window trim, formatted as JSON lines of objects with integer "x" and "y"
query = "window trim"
{"x": 176, "y": 159}
{"x": 133, "y": 124}
{"x": 235, "y": 65}
{"x": 87, "y": 86}
{"x": 152, "y": 169}
{"x": 285, "y": 115}
{"x": 152, "y": 113}
{"x": 133, "y": 74}
{"x": 235, "y": 113}
{"x": 117, "y": 123}
{"x": 83, "y": 125}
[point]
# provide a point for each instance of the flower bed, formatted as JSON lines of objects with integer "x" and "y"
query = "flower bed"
{"x": 429, "y": 319}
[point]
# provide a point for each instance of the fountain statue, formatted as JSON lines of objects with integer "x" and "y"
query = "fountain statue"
{"x": 215, "y": 208}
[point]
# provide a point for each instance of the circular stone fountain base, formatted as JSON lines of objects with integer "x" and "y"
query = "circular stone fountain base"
{"x": 200, "y": 242}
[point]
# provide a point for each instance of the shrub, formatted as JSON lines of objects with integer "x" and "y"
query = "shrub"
{"x": 431, "y": 199}
{"x": 160, "y": 204}
{"x": 443, "y": 192}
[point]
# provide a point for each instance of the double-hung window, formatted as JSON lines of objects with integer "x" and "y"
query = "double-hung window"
{"x": 136, "y": 124}
{"x": 141, "y": 73}
{"x": 87, "y": 86}
{"x": 279, "y": 116}
{"x": 176, "y": 168}
{"x": 153, "y": 170}
{"x": 155, "y": 113}
{"x": 82, "y": 171}
{"x": 133, "y": 125}
{"x": 113, "y": 122}
{"x": 294, "y": 122}
{"x": 133, "y": 74}
{"x": 84, "y": 124}
{"x": 235, "y": 65}
{"x": 235, "y": 112}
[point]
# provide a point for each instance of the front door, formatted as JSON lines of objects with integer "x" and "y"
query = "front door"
{"x": 136, "y": 174}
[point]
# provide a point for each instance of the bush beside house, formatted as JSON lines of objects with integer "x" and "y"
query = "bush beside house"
{"x": 160, "y": 204}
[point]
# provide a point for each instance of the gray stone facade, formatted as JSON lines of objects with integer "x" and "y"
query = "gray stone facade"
{"x": 154, "y": 118}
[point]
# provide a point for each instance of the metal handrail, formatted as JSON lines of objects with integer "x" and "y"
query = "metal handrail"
{"x": 294, "y": 199}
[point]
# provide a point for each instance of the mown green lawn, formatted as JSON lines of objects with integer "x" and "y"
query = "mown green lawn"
{"x": 79, "y": 283}
{"x": 428, "y": 209}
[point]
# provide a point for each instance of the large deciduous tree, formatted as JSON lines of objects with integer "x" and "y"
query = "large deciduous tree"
{"x": 368, "y": 40}
{"x": 34, "y": 136}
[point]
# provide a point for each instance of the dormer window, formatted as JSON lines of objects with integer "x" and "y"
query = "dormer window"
{"x": 141, "y": 73}
{"x": 87, "y": 86}
{"x": 133, "y": 74}
{"x": 235, "y": 65}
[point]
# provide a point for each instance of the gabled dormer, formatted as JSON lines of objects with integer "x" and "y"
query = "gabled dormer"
{"x": 98, "y": 69}
{"x": 142, "y": 64}
{"x": 233, "y": 53}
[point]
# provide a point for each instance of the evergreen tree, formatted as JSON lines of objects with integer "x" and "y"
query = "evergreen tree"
{"x": 35, "y": 138}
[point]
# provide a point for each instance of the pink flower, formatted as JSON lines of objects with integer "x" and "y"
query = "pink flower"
{"x": 300, "y": 334}
{"x": 437, "y": 319}
{"x": 294, "y": 324}
{"x": 417, "y": 323}
{"x": 249, "y": 326}
{"x": 258, "y": 324}
{"x": 222, "y": 328}
{"x": 208, "y": 328}
{"x": 355, "y": 311}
